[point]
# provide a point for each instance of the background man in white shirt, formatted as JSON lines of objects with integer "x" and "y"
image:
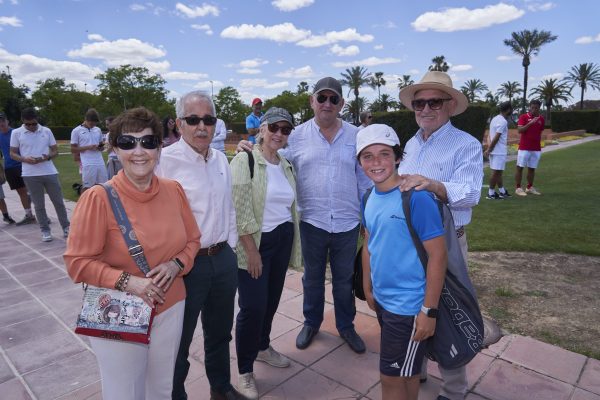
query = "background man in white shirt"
{"x": 88, "y": 141}
{"x": 218, "y": 141}
{"x": 496, "y": 151}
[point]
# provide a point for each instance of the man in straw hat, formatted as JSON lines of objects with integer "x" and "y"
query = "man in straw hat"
{"x": 447, "y": 162}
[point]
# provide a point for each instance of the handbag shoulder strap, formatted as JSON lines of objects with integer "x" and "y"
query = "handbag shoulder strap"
{"x": 135, "y": 248}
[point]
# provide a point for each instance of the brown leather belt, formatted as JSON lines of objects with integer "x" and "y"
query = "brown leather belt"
{"x": 212, "y": 250}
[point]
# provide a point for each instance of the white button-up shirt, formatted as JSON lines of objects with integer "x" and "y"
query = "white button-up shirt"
{"x": 207, "y": 185}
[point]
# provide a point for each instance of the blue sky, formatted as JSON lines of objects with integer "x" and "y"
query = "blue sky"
{"x": 263, "y": 47}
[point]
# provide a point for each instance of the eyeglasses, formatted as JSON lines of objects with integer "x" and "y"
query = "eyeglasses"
{"x": 434, "y": 104}
{"x": 334, "y": 99}
{"x": 30, "y": 123}
{"x": 128, "y": 142}
{"x": 194, "y": 120}
{"x": 285, "y": 130}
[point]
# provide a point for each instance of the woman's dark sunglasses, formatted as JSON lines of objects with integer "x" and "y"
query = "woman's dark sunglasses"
{"x": 128, "y": 142}
{"x": 334, "y": 99}
{"x": 434, "y": 104}
{"x": 194, "y": 120}
{"x": 285, "y": 130}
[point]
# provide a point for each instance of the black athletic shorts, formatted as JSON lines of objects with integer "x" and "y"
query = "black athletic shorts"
{"x": 13, "y": 177}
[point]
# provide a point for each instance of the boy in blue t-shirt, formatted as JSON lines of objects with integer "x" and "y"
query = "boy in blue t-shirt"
{"x": 394, "y": 281}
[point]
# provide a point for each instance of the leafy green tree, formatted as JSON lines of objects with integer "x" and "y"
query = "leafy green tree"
{"x": 230, "y": 107}
{"x": 377, "y": 81}
{"x": 528, "y": 43}
{"x": 355, "y": 78}
{"x": 384, "y": 103}
{"x": 127, "y": 87}
{"x": 302, "y": 88}
{"x": 509, "y": 89}
{"x": 472, "y": 88}
{"x": 61, "y": 104}
{"x": 439, "y": 64}
{"x": 551, "y": 92}
{"x": 296, "y": 104}
{"x": 357, "y": 106}
{"x": 584, "y": 75}
{"x": 12, "y": 98}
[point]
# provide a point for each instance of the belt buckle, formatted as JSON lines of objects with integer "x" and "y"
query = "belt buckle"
{"x": 136, "y": 250}
{"x": 213, "y": 249}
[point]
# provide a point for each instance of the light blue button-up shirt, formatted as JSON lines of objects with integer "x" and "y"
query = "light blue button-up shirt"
{"x": 329, "y": 180}
{"x": 452, "y": 157}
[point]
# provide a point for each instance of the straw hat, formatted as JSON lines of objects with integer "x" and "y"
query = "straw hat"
{"x": 435, "y": 80}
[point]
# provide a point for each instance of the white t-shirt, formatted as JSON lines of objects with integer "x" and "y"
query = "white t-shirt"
{"x": 34, "y": 144}
{"x": 218, "y": 142}
{"x": 83, "y": 136}
{"x": 278, "y": 199}
{"x": 498, "y": 124}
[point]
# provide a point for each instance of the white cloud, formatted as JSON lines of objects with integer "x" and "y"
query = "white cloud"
{"x": 253, "y": 63}
{"x": 96, "y": 37}
{"x": 378, "y": 47}
{"x": 204, "y": 27}
{"x": 291, "y": 5}
{"x": 123, "y": 51}
{"x": 347, "y": 35}
{"x": 263, "y": 83}
{"x": 248, "y": 71}
{"x": 27, "y": 69}
{"x": 460, "y": 19}
{"x": 556, "y": 75}
{"x": 285, "y": 32}
{"x": 208, "y": 85}
{"x": 137, "y": 7}
{"x": 297, "y": 73}
{"x": 386, "y": 25}
{"x": 507, "y": 58}
{"x": 367, "y": 62}
{"x": 541, "y": 6}
{"x": 184, "y": 76}
{"x": 344, "y": 51}
{"x": 588, "y": 39}
{"x": 461, "y": 67}
{"x": 60, "y": 21}
{"x": 10, "y": 21}
{"x": 195, "y": 12}
{"x": 414, "y": 72}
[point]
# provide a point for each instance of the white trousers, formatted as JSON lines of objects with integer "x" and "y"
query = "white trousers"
{"x": 135, "y": 371}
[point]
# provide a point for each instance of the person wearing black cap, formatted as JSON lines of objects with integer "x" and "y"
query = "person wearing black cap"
{"x": 87, "y": 141}
{"x": 253, "y": 120}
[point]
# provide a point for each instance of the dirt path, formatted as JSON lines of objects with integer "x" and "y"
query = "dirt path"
{"x": 551, "y": 297}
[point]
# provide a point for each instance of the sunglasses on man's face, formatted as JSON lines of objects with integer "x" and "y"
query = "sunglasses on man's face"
{"x": 128, "y": 142}
{"x": 434, "y": 104}
{"x": 194, "y": 120}
{"x": 285, "y": 130}
{"x": 30, "y": 123}
{"x": 334, "y": 99}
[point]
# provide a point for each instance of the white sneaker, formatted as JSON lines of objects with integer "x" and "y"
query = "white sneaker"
{"x": 274, "y": 358}
{"x": 533, "y": 190}
{"x": 46, "y": 237}
{"x": 520, "y": 192}
{"x": 247, "y": 385}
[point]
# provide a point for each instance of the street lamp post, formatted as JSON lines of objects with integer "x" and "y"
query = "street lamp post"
{"x": 212, "y": 96}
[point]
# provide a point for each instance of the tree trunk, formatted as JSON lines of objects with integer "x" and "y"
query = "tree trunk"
{"x": 525, "y": 78}
{"x": 581, "y": 103}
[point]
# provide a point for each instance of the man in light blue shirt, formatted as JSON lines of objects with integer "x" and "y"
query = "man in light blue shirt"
{"x": 330, "y": 183}
{"x": 447, "y": 162}
{"x": 253, "y": 120}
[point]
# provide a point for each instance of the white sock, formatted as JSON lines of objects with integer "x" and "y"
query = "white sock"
{"x": 28, "y": 212}
{"x": 491, "y": 192}
{"x": 502, "y": 190}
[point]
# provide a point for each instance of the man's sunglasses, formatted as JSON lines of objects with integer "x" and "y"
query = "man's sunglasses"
{"x": 434, "y": 104}
{"x": 30, "y": 123}
{"x": 334, "y": 99}
{"x": 285, "y": 130}
{"x": 128, "y": 142}
{"x": 194, "y": 120}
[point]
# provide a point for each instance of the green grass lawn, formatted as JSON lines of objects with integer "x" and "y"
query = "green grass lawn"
{"x": 563, "y": 219}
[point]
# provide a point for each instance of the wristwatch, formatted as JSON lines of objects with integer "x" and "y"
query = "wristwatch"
{"x": 430, "y": 312}
{"x": 179, "y": 264}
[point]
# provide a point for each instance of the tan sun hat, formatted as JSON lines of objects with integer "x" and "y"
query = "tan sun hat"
{"x": 435, "y": 80}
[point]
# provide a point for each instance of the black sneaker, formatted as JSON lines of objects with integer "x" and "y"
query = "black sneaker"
{"x": 495, "y": 196}
{"x": 8, "y": 220}
{"x": 505, "y": 195}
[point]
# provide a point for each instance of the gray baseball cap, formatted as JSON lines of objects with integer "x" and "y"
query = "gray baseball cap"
{"x": 328, "y": 83}
{"x": 276, "y": 114}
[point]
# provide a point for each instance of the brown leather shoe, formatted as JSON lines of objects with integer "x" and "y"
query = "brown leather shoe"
{"x": 230, "y": 395}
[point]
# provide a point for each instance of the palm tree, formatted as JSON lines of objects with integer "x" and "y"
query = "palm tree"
{"x": 404, "y": 82}
{"x": 551, "y": 92}
{"x": 439, "y": 64}
{"x": 302, "y": 87}
{"x": 584, "y": 75}
{"x": 377, "y": 81}
{"x": 509, "y": 89}
{"x": 527, "y": 43}
{"x": 472, "y": 87}
{"x": 384, "y": 103}
{"x": 353, "y": 108}
{"x": 355, "y": 77}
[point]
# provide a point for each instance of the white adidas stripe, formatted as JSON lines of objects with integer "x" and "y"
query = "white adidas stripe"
{"x": 413, "y": 346}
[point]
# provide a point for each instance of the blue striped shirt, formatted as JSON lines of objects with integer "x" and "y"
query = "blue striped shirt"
{"x": 452, "y": 157}
{"x": 329, "y": 181}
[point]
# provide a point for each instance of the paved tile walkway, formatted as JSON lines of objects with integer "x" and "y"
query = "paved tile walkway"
{"x": 41, "y": 357}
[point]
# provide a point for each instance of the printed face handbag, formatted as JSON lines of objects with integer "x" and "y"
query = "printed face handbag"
{"x": 110, "y": 313}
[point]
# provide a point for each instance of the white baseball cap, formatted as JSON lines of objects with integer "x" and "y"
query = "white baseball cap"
{"x": 376, "y": 134}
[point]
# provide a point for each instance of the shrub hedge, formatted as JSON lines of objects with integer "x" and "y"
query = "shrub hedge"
{"x": 564, "y": 121}
{"x": 61, "y": 132}
{"x": 474, "y": 121}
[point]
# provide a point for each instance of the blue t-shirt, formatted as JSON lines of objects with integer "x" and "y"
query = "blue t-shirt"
{"x": 252, "y": 121}
{"x": 396, "y": 272}
{"x": 5, "y": 144}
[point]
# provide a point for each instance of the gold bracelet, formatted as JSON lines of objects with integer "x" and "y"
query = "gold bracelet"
{"x": 122, "y": 282}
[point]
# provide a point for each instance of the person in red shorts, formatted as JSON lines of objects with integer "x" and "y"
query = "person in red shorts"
{"x": 530, "y": 126}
